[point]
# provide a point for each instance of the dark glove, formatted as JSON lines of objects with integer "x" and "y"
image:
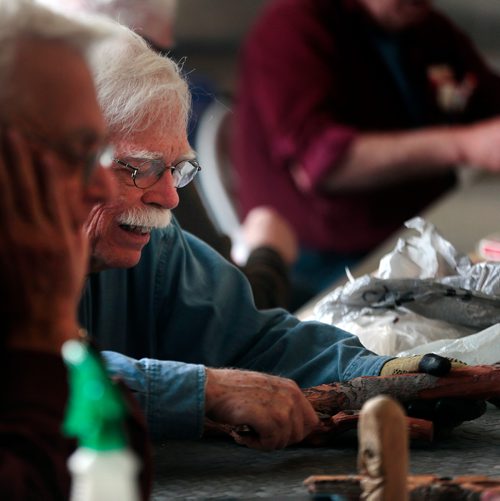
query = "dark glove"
{"x": 445, "y": 413}
{"x": 495, "y": 402}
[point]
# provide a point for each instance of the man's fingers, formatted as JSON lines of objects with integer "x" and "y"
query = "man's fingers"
{"x": 266, "y": 438}
{"x": 20, "y": 164}
{"x": 253, "y": 442}
{"x": 287, "y": 421}
{"x": 56, "y": 203}
{"x": 50, "y": 190}
{"x": 306, "y": 421}
{"x": 274, "y": 427}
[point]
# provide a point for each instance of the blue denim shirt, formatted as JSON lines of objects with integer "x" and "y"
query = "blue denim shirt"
{"x": 184, "y": 308}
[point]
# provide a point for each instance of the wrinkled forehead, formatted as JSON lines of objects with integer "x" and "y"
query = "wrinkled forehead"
{"x": 168, "y": 142}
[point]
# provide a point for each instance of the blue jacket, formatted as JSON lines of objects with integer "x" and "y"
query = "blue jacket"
{"x": 184, "y": 307}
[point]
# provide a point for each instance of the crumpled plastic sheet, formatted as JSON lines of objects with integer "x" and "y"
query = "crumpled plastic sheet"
{"x": 482, "y": 277}
{"x": 423, "y": 291}
{"x": 427, "y": 297}
{"x": 476, "y": 349}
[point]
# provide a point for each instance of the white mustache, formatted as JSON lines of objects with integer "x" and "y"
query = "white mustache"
{"x": 152, "y": 217}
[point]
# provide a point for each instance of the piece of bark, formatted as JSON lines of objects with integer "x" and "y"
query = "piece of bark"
{"x": 328, "y": 429}
{"x": 338, "y": 401}
{"x": 420, "y": 487}
{"x": 383, "y": 450}
{"x": 481, "y": 382}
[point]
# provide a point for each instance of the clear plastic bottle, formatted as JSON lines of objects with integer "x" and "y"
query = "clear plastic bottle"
{"x": 103, "y": 475}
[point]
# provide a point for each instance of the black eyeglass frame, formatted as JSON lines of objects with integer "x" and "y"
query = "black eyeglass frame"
{"x": 173, "y": 169}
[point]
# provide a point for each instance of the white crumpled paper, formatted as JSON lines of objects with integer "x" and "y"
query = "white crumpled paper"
{"x": 428, "y": 258}
{"x": 423, "y": 255}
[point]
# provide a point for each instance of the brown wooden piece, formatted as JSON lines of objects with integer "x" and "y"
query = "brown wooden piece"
{"x": 328, "y": 429}
{"x": 480, "y": 382}
{"x": 383, "y": 450}
{"x": 383, "y": 466}
{"x": 420, "y": 487}
{"x": 337, "y": 403}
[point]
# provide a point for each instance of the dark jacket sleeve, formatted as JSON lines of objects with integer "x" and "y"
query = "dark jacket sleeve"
{"x": 265, "y": 269}
{"x": 268, "y": 275}
{"x": 33, "y": 451}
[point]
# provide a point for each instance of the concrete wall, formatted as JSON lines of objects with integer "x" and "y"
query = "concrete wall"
{"x": 215, "y": 21}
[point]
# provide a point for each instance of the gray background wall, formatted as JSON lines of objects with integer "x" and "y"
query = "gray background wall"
{"x": 209, "y": 32}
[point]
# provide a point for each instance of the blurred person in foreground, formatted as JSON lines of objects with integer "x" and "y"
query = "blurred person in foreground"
{"x": 351, "y": 117}
{"x": 52, "y": 136}
{"x": 268, "y": 241}
{"x": 198, "y": 346}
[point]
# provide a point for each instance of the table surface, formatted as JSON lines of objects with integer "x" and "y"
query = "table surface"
{"x": 463, "y": 217}
{"x": 218, "y": 469}
{"x": 221, "y": 470}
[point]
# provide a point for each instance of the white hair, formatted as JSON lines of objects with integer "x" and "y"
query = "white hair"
{"x": 136, "y": 87}
{"x": 149, "y": 217}
{"x": 25, "y": 19}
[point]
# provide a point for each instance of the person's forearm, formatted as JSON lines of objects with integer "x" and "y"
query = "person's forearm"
{"x": 171, "y": 394}
{"x": 381, "y": 159}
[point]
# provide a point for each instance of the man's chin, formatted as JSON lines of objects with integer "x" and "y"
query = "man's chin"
{"x": 125, "y": 260}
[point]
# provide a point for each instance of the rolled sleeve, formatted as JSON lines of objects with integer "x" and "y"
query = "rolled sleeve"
{"x": 171, "y": 394}
{"x": 324, "y": 150}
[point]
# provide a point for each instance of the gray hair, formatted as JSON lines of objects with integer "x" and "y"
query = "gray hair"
{"x": 21, "y": 19}
{"x": 137, "y": 87}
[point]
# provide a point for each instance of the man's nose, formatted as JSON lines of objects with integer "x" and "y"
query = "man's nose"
{"x": 101, "y": 187}
{"x": 163, "y": 193}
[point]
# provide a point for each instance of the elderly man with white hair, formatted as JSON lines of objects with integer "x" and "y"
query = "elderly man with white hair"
{"x": 198, "y": 346}
{"x": 267, "y": 245}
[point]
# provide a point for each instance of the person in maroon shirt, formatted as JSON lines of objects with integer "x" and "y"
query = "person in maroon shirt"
{"x": 51, "y": 138}
{"x": 349, "y": 121}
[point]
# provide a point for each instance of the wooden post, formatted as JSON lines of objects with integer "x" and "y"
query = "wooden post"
{"x": 383, "y": 450}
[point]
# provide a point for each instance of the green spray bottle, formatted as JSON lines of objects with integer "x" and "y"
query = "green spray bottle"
{"x": 102, "y": 468}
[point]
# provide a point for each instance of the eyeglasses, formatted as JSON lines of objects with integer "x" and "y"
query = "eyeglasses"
{"x": 71, "y": 151}
{"x": 149, "y": 172}
{"x": 103, "y": 157}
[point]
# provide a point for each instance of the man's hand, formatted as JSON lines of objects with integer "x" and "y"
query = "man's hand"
{"x": 445, "y": 413}
{"x": 264, "y": 227}
{"x": 275, "y": 408}
{"x": 43, "y": 256}
{"x": 477, "y": 144}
